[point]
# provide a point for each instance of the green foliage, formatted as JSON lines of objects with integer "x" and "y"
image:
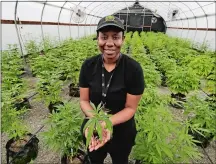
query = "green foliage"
{"x": 182, "y": 80}
{"x": 202, "y": 65}
{"x": 63, "y": 135}
{"x": 49, "y": 89}
{"x": 160, "y": 139}
{"x": 200, "y": 114}
{"x": 94, "y": 123}
{"x": 11, "y": 120}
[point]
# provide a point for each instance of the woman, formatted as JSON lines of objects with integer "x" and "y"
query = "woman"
{"x": 117, "y": 81}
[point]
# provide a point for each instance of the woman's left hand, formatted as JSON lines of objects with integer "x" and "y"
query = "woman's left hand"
{"x": 106, "y": 137}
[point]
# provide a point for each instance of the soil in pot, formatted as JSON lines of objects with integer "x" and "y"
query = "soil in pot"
{"x": 53, "y": 106}
{"x": 204, "y": 141}
{"x": 74, "y": 90}
{"x": 181, "y": 98}
{"x": 80, "y": 158}
{"x": 24, "y": 103}
{"x": 22, "y": 151}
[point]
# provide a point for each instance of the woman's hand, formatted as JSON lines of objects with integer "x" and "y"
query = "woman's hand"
{"x": 95, "y": 142}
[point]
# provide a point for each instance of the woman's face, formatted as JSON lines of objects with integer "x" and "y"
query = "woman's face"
{"x": 110, "y": 42}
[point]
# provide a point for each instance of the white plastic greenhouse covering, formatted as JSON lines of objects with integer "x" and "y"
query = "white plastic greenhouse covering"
{"x": 23, "y": 20}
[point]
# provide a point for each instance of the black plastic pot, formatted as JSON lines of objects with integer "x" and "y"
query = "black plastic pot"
{"x": 44, "y": 87}
{"x": 74, "y": 91}
{"x": 211, "y": 99}
{"x": 26, "y": 153}
{"x": 163, "y": 80}
{"x": 80, "y": 157}
{"x": 181, "y": 98}
{"x": 22, "y": 104}
{"x": 147, "y": 50}
{"x": 53, "y": 106}
{"x": 63, "y": 76}
{"x": 204, "y": 141}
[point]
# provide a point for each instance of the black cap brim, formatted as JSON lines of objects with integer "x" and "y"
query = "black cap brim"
{"x": 110, "y": 24}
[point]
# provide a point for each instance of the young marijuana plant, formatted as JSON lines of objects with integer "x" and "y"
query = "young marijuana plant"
{"x": 182, "y": 80}
{"x": 94, "y": 123}
{"x": 161, "y": 139}
{"x": 200, "y": 114}
{"x": 202, "y": 65}
{"x": 64, "y": 134}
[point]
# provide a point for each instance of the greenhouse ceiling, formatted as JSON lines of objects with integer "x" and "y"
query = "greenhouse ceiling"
{"x": 188, "y": 19}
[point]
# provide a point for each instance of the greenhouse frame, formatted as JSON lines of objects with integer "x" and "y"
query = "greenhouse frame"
{"x": 45, "y": 47}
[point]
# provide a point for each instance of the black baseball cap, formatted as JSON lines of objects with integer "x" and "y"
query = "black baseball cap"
{"x": 110, "y": 21}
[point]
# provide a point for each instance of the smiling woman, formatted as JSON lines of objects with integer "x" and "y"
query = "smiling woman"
{"x": 108, "y": 80}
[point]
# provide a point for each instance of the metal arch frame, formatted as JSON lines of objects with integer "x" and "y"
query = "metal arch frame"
{"x": 206, "y": 22}
{"x": 145, "y": 7}
{"x": 15, "y": 14}
{"x": 98, "y": 11}
{"x": 181, "y": 19}
{"x": 195, "y": 21}
{"x": 86, "y": 18}
{"x": 103, "y": 11}
{"x": 127, "y": 15}
{"x": 91, "y": 11}
{"x": 42, "y": 32}
{"x": 59, "y": 19}
{"x": 181, "y": 11}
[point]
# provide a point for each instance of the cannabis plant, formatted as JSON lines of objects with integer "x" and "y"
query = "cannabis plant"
{"x": 161, "y": 139}
{"x": 63, "y": 135}
{"x": 200, "y": 114}
{"x": 182, "y": 80}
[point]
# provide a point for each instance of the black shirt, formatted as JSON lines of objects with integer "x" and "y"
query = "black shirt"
{"x": 127, "y": 78}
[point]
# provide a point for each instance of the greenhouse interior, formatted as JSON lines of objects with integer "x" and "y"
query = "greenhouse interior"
{"x": 44, "y": 45}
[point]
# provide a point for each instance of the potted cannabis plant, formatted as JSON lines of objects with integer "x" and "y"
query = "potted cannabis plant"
{"x": 161, "y": 139}
{"x": 22, "y": 146}
{"x": 180, "y": 81}
{"x": 63, "y": 135}
{"x": 201, "y": 119}
{"x": 49, "y": 91}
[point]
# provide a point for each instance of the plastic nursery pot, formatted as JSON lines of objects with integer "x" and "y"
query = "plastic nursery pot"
{"x": 147, "y": 50}
{"x": 53, "y": 106}
{"x": 24, "y": 103}
{"x": 163, "y": 80}
{"x": 63, "y": 76}
{"x": 74, "y": 91}
{"x": 181, "y": 98}
{"x": 21, "y": 152}
{"x": 204, "y": 141}
{"x": 44, "y": 87}
{"x": 80, "y": 158}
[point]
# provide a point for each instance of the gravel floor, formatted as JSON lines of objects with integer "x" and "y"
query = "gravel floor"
{"x": 35, "y": 117}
